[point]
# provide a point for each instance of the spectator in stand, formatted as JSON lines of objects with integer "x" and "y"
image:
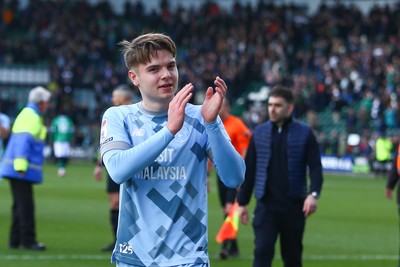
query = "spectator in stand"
{"x": 363, "y": 118}
{"x": 324, "y": 143}
{"x": 335, "y": 143}
{"x": 365, "y": 149}
{"x": 340, "y": 66}
{"x": 351, "y": 120}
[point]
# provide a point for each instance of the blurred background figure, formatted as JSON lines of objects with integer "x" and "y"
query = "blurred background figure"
{"x": 5, "y": 125}
{"x": 22, "y": 166}
{"x": 122, "y": 95}
{"x": 383, "y": 155}
{"x": 62, "y": 134}
{"x": 240, "y": 136}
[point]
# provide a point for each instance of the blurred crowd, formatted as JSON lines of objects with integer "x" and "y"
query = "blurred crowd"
{"x": 338, "y": 57}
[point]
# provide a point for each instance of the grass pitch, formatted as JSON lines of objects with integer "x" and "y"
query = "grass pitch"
{"x": 354, "y": 226}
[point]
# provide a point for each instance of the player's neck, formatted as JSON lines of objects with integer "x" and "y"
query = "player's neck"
{"x": 153, "y": 107}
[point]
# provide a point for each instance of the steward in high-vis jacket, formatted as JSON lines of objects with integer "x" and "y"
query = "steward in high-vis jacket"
{"x": 25, "y": 153}
{"x": 22, "y": 166}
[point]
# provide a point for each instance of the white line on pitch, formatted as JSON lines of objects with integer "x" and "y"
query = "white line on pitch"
{"x": 334, "y": 257}
{"x": 107, "y": 257}
{"x": 55, "y": 257}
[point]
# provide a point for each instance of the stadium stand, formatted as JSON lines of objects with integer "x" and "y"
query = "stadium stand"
{"x": 334, "y": 59}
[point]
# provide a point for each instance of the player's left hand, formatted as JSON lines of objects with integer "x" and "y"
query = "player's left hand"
{"x": 213, "y": 100}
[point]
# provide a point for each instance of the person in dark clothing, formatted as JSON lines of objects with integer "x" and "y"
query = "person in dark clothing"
{"x": 392, "y": 181}
{"x": 280, "y": 153}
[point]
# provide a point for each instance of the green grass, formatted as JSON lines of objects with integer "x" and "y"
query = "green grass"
{"x": 354, "y": 225}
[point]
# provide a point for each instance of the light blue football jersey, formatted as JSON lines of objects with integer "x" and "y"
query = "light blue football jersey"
{"x": 163, "y": 196}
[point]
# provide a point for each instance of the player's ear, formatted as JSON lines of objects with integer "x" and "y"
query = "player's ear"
{"x": 134, "y": 77}
{"x": 291, "y": 108}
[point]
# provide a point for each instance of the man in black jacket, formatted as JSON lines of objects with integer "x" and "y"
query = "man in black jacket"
{"x": 280, "y": 153}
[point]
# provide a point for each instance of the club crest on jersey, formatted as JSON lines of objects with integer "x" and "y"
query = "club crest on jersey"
{"x": 138, "y": 132}
{"x": 182, "y": 135}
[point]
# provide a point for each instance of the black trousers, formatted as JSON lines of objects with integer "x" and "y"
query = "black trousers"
{"x": 268, "y": 225}
{"x": 225, "y": 193}
{"x": 22, "y": 230}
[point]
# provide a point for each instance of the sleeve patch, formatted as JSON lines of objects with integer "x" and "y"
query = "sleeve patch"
{"x": 103, "y": 131}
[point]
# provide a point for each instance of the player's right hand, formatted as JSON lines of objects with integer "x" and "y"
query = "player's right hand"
{"x": 176, "y": 109}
